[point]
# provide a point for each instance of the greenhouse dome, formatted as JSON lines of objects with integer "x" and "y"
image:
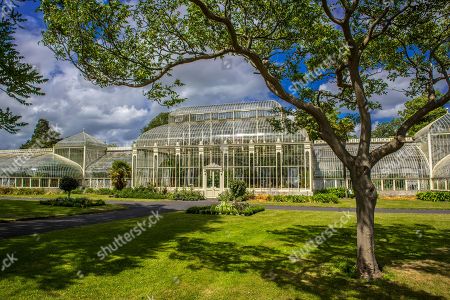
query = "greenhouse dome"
{"x": 39, "y": 170}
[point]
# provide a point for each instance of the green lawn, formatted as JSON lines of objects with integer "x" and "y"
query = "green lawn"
{"x": 13, "y": 210}
{"x": 228, "y": 257}
{"x": 382, "y": 203}
{"x": 90, "y": 196}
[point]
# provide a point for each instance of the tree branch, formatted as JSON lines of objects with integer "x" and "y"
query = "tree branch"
{"x": 400, "y": 138}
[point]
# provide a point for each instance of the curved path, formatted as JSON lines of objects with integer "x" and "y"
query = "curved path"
{"x": 142, "y": 209}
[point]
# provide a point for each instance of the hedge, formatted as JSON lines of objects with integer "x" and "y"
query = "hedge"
{"x": 73, "y": 202}
{"x": 317, "y": 198}
{"x": 434, "y": 196}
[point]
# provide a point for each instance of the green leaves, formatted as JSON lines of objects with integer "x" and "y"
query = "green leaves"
{"x": 18, "y": 80}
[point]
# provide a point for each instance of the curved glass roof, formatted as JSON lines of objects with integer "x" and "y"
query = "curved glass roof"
{"x": 441, "y": 125}
{"x": 217, "y": 132}
{"x": 408, "y": 162}
{"x": 237, "y": 123}
{"x": 80, "y": 140}
{"x": 442, "y": 169}
{"x": 100, "y": 168}
{"x": 46, "y": 165}
{"x": 229, "y": 107}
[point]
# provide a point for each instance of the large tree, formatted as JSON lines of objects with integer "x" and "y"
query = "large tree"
{"x": 43, "y": 136}
{"x": 159, "y": 120}
{"x": 296, "y": 47}
{"x": 18, "y": 80}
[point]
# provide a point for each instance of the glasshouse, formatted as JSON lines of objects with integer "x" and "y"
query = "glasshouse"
{"x": 206, "y": 147}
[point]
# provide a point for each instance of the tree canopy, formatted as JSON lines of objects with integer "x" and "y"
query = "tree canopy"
{"x": 159, "y": 120}
{"x": 43, "y": 136}
{"x": 312, "y": 55}
{"x": 18, "y": 80}
{"x": 389, "y": 128}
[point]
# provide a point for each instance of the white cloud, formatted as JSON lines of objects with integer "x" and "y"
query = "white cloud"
{"x": 115, "y": 114}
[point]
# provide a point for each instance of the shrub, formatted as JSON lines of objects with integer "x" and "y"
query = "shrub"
{"x": 188, "y": 195}
{"x": 68, "y": 184}
{"x": 227, "y": 208}
{"x": 73, "y": 202}
{"x": 226, "y": 196}
{"x": 320, "y": 198}
{"x": 237, "y": 188}
{"x": 140, "y": 192}
{"x": 339, "y": 192}
{"x": 291, "y": 198}
{"x": 21, "y": 191}
{"x": 434, "y": 196}
{"x": 325, "y": 198}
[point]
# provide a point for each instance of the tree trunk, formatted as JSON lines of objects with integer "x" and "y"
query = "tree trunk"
{"x": 366, "y": 198}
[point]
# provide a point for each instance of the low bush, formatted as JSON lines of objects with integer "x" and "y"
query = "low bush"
{"x": 290, "y": 198}
{"x": 228, "y": 196}
{"x": 237, "y": 188}
{"x": 73, "y": 202}
{"x": 140, "y": 193}
{"x": 325, "y": 198}
{"x": 21, "y": 191}
{"x": 187, "y": 195}
{"x": 317, "y": 198}
{"x": 339, "y": 192}
{"x": 227, "y": 208}
{"x": 434, "y": 196}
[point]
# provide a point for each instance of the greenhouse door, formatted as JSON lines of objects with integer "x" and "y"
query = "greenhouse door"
{"x": 213, "y": 178}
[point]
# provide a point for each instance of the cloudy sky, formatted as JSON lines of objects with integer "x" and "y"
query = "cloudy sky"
{"x": 116, "y": 115}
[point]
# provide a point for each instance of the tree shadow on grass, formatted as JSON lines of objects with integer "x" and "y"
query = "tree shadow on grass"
{"x": 60, "y": 258}
{"x": 328, "y": 270}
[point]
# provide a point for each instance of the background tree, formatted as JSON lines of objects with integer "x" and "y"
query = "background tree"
{"x": 412, "y": 106}
{"x": 43, "y": 136}
{"x": 159, "y": 120}
{"x": 18, "y": 80}
{"x": 68, "y": 184}
{"x": 120, "y": 172}
{"x": 296, "y": 46}
{"x": 389, "y": 128}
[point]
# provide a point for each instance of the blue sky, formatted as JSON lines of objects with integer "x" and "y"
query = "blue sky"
{"x": 116, "y": 115}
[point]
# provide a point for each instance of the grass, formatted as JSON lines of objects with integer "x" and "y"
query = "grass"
{"x": 383, "y": 202}
{"x": 228, "y": 257}
{"x": 90, "y": 196}
{"x": 406, "y": 203}
{"x": 14, "y": 210}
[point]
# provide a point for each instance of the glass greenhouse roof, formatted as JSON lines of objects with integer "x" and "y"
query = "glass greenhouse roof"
{"x": 217, "y": 132}
{"x": 229, "y": 107}
{"x": 442, "y": 169}
{"x": 441, "y": 125}
{"x": 101, "y": 167}
{"x": 408, "y": 162}
{"x": 43, "y": 165}
{"x": 80, "y": 140}
{"x": 236, "y": 123}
